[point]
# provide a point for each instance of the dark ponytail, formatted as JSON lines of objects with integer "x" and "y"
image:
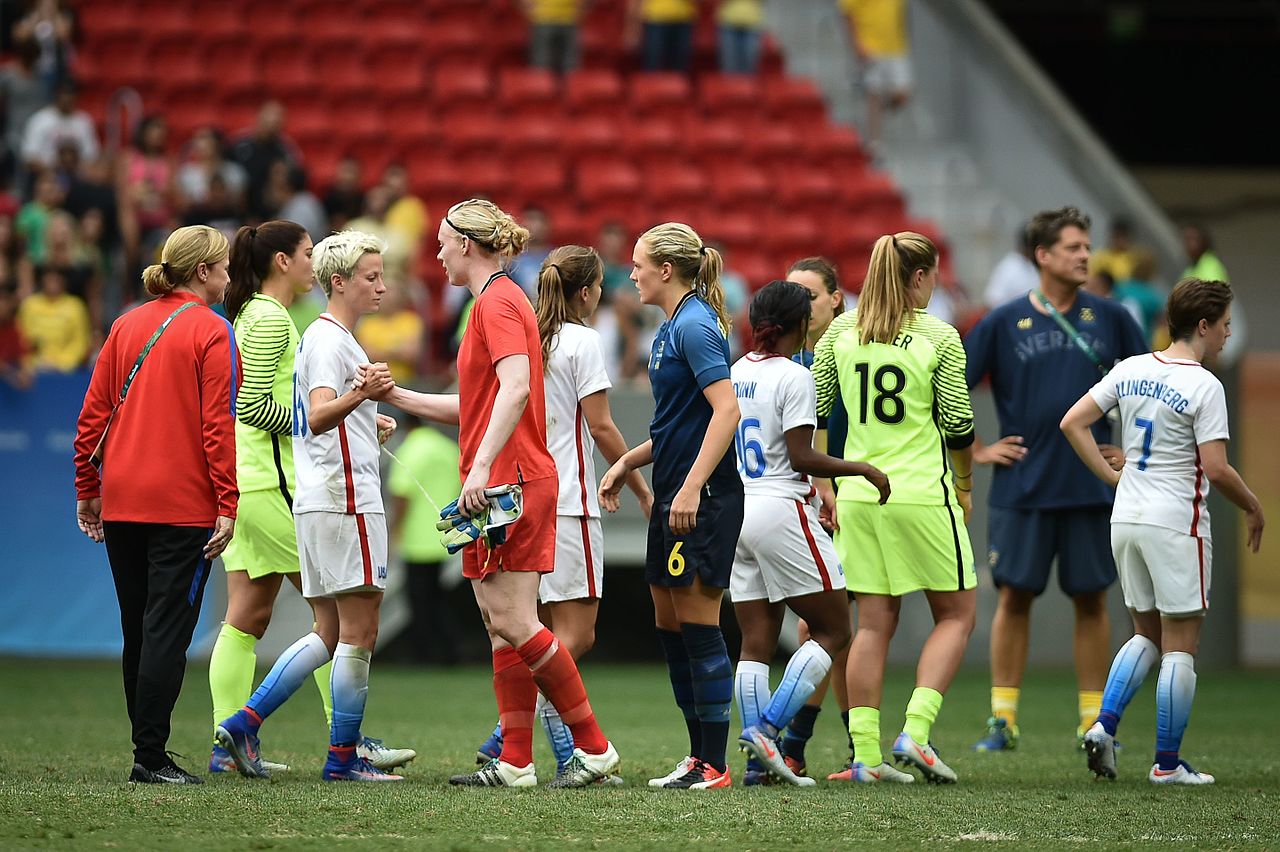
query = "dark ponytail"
{"x": 778, "y": 309}
{"x": 252, "y": 253}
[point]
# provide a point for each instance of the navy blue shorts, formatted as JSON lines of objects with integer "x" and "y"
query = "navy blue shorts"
{"x": 706, "y": 552}
{"x": 1022, "y": 544}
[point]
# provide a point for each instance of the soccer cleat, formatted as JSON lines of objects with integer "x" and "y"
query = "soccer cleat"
{"x": 382, "y": 757}
{"x": 584, "y": 769}
{"x": 908, "y": 752}
{"x": 860, "y": 773}
{"x": 220, "y": 760}
{"x": 490, "y": 749}
{"x": 845, "y": 774}
{"x": 1184, "y": 774}
{"x": 701, "y": 776}
{"x": 1001, "y": 736}
{"x": 242, "y": 744}
{"x": 359, "y": 769}
{"x": 765, "y": 749}
{"x": 755, "y": 777}
{"x": 496, "y": 773}
{"x": 170, "y": 773}
{"x": 681, "y": 768}
{"x": 1100, "y": 749}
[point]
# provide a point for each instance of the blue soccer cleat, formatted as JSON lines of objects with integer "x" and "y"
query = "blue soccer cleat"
{"x": 241, "y": 743}
{"x": 490, "y": 749}
{"x": 1001, "y": 736}
{"x": 339, "y": 767}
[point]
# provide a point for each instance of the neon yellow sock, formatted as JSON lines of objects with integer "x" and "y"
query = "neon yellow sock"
{"x": 864, "y": 730}
{"x": 1090, "y": 706}
{"x": 326, "y": 696}
{"x": 231, "y": 671}
{"x": 1004, "y": 703}
{"x": 922, "y": 710}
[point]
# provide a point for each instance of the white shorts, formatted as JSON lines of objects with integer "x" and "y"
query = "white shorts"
{"x": 1162, "y": 569}
{"x": 341, "y": 553}
{"x": 579, "y": 569}
{"x": 783, "y": 552}
{"x": 887, "y": 75}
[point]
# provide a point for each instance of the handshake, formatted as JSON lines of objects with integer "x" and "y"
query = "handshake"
{"x": 504, "y": 505}
{"x": 373, "y": 381}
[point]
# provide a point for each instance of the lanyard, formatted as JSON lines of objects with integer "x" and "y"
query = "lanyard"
{"x": 1070, "y": 331}
{"x": 146, "y": 349}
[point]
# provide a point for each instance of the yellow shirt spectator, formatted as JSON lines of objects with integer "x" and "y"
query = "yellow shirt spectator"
{"x": 880, "y": 26}
{"x": 552, "y": 11}
{"x": 395, "y": 337}
{"x": 747, "y": 14}
{"x": 57, "y": 325}
{"x": 668, "y": 11}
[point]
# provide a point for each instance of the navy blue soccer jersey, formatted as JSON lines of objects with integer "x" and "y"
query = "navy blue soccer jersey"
{"x": 837, "y": 422}
{"x": 1038, "y": 372}
{"x": 689, "y": 353}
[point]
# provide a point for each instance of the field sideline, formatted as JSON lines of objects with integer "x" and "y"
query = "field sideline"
{"x": 64, "y": 755}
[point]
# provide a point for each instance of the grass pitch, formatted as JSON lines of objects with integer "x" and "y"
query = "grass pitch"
{"x": 64, "y": 755}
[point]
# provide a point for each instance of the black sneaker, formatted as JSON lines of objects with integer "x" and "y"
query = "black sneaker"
{"x": 170, "y": 773}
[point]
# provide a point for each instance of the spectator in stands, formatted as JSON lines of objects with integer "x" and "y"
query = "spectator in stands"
{"x": 345, "y": 199}
{"x": 1145, "y": 299}
{"x": 67, "y": 254}
{"x": 553, "y": 34}
{"x": 256, "y": 149}
{"x": 220, "y": 209}
{"x": 14, "y": 348}
{"x": 146, "y": 188}
{"x": 880, "y": 41}
{"x": 395, "y": 334}
{"x": 1015, "y": 274}
{"x": 664, "y": 31}
{"x": 526, "y": 265}
{"x": 51, "y": 26}
{"x": 406, "y": 213}
{"x": 23, "y": 94}
{"x": 396, "y": 259}
{"x": 1120, "y": 253}
{"x": 1203, "y": 263}
{"x": 737, "y": 297}
{"x": 618, "y": 317}
{"x": 205, "y": 160}
{"x": 50, "y": 125}
{"x": 56, "y": 323}
{"x": 740, "y": 23}
{"x": 33, "y": 218}
{"x": 297, "y": 203}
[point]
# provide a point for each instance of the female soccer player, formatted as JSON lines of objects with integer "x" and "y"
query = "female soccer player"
{"x": 900, "y": 373}
{"x": 501, "y": 414}
{"x": 698, "y": 495}
{"x": 338, "y": 513}
{"x": 156, "y": 475}
{"x": 569, "y": 289}
{"x": 1173, "y": 422}
{"x": 783, "y": 556}
{"x": 270, "y": 265}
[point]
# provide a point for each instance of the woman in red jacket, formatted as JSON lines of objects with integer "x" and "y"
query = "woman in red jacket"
{"x": 155, "y": 458}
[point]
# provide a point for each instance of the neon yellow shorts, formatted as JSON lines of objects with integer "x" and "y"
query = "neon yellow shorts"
{"x": 896, "y": 549}
{"x": 265, "y": 541}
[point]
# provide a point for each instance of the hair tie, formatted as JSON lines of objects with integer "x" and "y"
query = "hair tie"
{"x": 702, "y": 250}
{"x": 253, "y": 233}
{"x": 556, "y": 267}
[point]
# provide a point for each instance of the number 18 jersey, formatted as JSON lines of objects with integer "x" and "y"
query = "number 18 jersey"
{"x": 1168, "y": 408}
{"x": 907, "y": 401}
{"x": 775, "y": 395}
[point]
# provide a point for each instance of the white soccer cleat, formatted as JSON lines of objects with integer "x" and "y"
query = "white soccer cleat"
{"x": 681, "y": 768}
{"x": 495, "y": 773}
{"x": 763, "y": 747}
{"x": 1184, "y": 774}
{"x": 381, "y": 756}
{"x": 860, "y": 773}
{"x": 908, "y": 752}
{"x": 584, "y": 769}
{"x": 1100, "y": 748}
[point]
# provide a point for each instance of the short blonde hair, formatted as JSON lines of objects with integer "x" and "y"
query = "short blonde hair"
{"x": 340, "y": 253}
{"x": 693, "y": 262}
{"x": 488, "y": 226}
{"x": 185, "y": 250}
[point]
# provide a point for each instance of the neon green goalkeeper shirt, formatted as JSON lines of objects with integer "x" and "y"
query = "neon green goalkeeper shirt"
{"x": 268, "y": 342}
{"x": 907, "y": 403}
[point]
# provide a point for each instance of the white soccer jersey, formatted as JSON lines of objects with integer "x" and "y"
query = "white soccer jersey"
{"x": 1167, "y": 409}
{"x": 575, "y": 370}
{"x": 775, "y": 394}
{"x": 337, "y": 471}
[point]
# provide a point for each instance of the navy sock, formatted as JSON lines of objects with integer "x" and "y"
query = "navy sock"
{"x": 799, "y": 731}
{"x": 844, "y": 718}
{"x": 682, "y": 684}
{"x": 712, "y": 688}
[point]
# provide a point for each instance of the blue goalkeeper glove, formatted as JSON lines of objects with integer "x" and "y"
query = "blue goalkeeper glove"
{"x": 456, "y": 529}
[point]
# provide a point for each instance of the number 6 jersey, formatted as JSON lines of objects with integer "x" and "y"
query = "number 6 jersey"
{"x": 907, "y": 402}
{"x": 1168, "y": 408}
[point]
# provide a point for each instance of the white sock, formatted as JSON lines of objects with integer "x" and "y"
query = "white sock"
{"x": 751, "y": 687}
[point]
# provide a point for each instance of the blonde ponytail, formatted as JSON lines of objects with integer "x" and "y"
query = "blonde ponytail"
{"x": 185, "y": 250}
{"x": 694, "y": 263}
{"x": 886, "y": 299}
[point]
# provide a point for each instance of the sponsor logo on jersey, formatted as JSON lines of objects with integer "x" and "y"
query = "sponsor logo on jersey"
{"x": 1087, "y": 315}
{"x": 1024, "y": 323}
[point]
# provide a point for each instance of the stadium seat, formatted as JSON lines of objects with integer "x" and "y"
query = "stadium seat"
{"x": 657, "y": 135}
{"x": 660, "y": 91}
{"x": 591, "y": 134}
{"x": 482, "y": 174}
{"x": 713, "y": 139}
{"x": 527, "y": 90}
{"x": 103, "y": 23}
{"x": 411, "y": 123}
{"x": 771, "y": 143}
{"x": 793, "y": 235}
{"x": 287, "y": 71}
{"x": 758, "y": 268}
{"x": 397, "y": 71}
{"x": 394, "y": 23}
{"x": 736, "y": 229}
{"x": 468, "y": 128}
{"x": 165, "y": 21}
{"x": 342, "y": 72}
{"x": 536, "y": 175}
{"x": 834, "y": 146}
{"x": 524, "y": 135}
{"x": 587, "y": 90}
{"x": 803, "y": 186}
{"x": 740, "y": 183}
{"x": 730, "y": 96}
{"x": 675, "y": 183}
{"x": 333, "y": 21}
{"x": 872, "y": 193}
{"x": 602, "y": 181}
{"x": 454, "y": 39}
{"x": 797, "y": 100}
{"x": 454, "y": 83}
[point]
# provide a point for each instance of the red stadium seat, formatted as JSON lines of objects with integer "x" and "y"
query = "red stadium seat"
{"x": 675, "y": 183}
{"x": 874, "y": 193}
{"x": 732, "y": 96}
{"x": 714, "y": 139}
{"x": 735, "y": 183}
{"x": 771, "y": 143}
{"x": 333, "y": 21}
{"x": 659, "y": 91}
{"x": 854, "y": 234}
{"x": 735, "y": 228}
{"x": 454, "y": 39}
{"x": 411, "y": 123}
{"x": 587, "y": 90}
{"x": 397, "y": 71}
{"x": 538, "y": 174}
{"x": 590, "y": 135}
{"x": 469, "y": 129}
{"x": 794, "y": 99}
{"x": 454, "y": 83}
{"x": 532, "y": 134}
{"x": 287, "y": 72}
{"x": 103, "y": 23}
{"x": 758, "y": 268}
{"x": 343, "y": 72}
{"x": 794, "y": 234}
{"x": 166, "y": 21}
{"x": 483, "y": 174}
{"x": 834, "y": 146}
{"x": 393, "y": 23}
{"x": 601, "y": 181}
{"x": 653, "y": 135}
{"x": 527, "y": 88}
{"x": 804, "y": 186}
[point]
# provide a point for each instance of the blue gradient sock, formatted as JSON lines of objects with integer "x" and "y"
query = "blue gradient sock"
{"x": 1175, "y": 691}
{"x": 350, "y": 686}
{"x": 291, "y": 670}
{"x": 712, "y": 688}
{"x": 1128, "y": 670}
{"x": 751, "y": 688}
{"x": 558, "y": 733}
{"x": 805, "y": 670}
{"x": 682, "y": 684}
{"x": 799, "y": 731}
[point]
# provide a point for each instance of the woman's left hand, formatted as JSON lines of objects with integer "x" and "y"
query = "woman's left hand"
{"x": 684, "y": 511}
{"x": 472, "y": 500}
{"x": 386, "y": 428}
{"x": 223, "y": 529}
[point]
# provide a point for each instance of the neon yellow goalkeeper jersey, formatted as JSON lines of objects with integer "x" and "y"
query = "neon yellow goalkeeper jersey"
{"x": 268, "y": 343}
{"x": 907, "y": 403}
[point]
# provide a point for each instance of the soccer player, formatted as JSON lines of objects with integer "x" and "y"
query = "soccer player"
{"x": 1173, "y": 426}
{"x": 338, "y": 512}
{"x": 502, "y": 417}
{"x": 270, "y": 265}
{"x": 577, "y": 384}
{"x": 783, "y": 556}
{"x": 1041, "y": 351}
{"x": 900, "y": 373}
{"x": 698, "y": 506}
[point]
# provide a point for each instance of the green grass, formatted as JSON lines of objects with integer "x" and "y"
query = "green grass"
{"x": 64, "y": 754}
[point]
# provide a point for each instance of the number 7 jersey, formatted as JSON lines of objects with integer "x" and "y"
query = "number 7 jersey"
{"x": 907, "y": 402}
{"x": 1168, "y": 408}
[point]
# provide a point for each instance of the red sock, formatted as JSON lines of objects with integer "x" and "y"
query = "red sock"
{"x": 557, "y": 677}
{"x": 517, "y": 697}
